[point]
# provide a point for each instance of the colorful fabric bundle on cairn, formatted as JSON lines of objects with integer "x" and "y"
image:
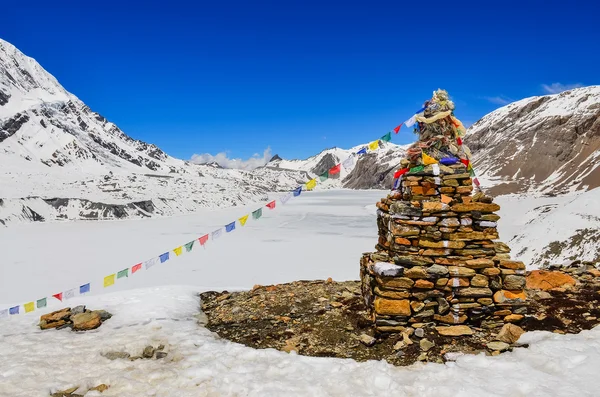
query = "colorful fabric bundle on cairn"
{"x": 436, "y": 258}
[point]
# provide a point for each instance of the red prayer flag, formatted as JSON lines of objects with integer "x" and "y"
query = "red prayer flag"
{"x": 476, "y": 181}
{"x": 335, "y": 170}
{"x": 271, "y": 205}
{"x": 203, "y": 239}
{"x": 397, "y": 129}
{"x": 400, "y": 172}
{"x": 465, "y": 162}
{"x": 458, "y": 140}
{"x": 58, "y": 296}
{"x": 136, "y": 268}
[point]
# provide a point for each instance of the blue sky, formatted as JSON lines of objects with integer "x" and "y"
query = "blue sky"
{"x": 297, "y": 77}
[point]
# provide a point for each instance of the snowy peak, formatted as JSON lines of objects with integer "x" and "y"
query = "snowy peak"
{"x": 549, "y": 144}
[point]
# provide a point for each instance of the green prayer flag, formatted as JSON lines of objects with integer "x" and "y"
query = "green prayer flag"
{"x": 188, "y": 246}
{"x": 387, "y": 137}
{"x": 123, "y": 273}
{"x": 257, "y": 214}
{"x": 418, "y": 168}
{"x": 41, "y": 303}
{"x": 324, "y": 176}
{"x": 472, "y": 172}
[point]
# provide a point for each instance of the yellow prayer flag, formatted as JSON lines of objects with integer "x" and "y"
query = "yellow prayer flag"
{"x": 310, "y": 185}
{"x": 427, "y": 160}
{"x": 243, "y": 219}
{"x": 109, "y": 280}
{"x": 178, "y": 250}
{"x": 29, "y": 307}
{"x": 374, "y": 145}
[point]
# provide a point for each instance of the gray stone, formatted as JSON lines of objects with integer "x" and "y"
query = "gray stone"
{"x": 426, "y": 344}
{"x": 513, "y": 283}
{"x": 78, "y": 309}
{"x": 437, "y": 270}
{"x": 116, "y": 355}
{"x": 367, "y": 340}
{"x": 104, "y": 315}
{"x": 498, "y": 346}
{"x": 160, "y": 355}
{"x": 148, "y": 352}
{"x": 443, "y": 306}
{"x": 419, "y": 332}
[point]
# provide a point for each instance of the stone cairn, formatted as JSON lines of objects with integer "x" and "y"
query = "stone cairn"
{"x": 436, "y": 259}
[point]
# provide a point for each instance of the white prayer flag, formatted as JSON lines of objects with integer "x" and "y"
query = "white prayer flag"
{"x": 410, "y": 122}
{"x": 348, "y": 163}
{"x": 436, "y": 169}
{"x": 217, "y": 233}
{"x": 68, "y": 294}
{"x": 4, "y": 313}
{"x": 286, "y": 198}
{"x": 150, "y": 262}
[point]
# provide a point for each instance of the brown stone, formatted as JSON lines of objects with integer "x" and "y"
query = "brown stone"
{"x": 416, "y": 189}
{"x": 500, "y": 247}
{"x": 392, "y": 307}
{"x": 479, "y": 280}
{"x": 485, "y": 301}
{"x": 417, "y": 306}
{"x": 481, "y": 207}
{"x": 459, "y": 271}
{"x": 502, "y": 313}
{"x": 546, "y": 280}
{"x": 470, "y": 236}
{"x": 474, "y": 292}
{"x": 458, "y": 282}
{"x": 424, "y": 284}
{"x": 513, "y": 282}
{"x": 61, "y": 314}
{"x": 450, "y": 318}
{"x": 513, "y": 318}
{"x": 445, "y": 199}
{"x": 479, "y": 263}
{"x": 457, "y": 176}
{"x": 441, "y": 244}
{"x": 504, "y": 296}
{"x": 510, "y": 333}
{"x": 447, "y": 190}
{"x": 437, "y": 252}
{"x": 391, "y": 293}
{"x": 46, "y": 325}
{"x": 456, "y": 330}
{"x": 405, "y": 230}
{"x": 395, "y": 282}
{"x": 402, "y": 241}
{"x": 491, "y": 271}
{"x": 464, "y": 189}
{"x": 514, "y": 265}
{"x": 449, "y": 222}
{"x": 416, "y": 272}
{"x": 441, "y": 282}
{"x": 86, "y": 321}
{"x": 434, "y": 206}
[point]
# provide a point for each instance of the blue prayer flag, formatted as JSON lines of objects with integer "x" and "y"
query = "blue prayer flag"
{"x": 362, "y": 151}
{"x": 298, "y": 191}
{"x": 84, "y": 288}
{"x": 164, "y": 257}
{"x": 230, "y": 227}
{"x": 14, "y": 310}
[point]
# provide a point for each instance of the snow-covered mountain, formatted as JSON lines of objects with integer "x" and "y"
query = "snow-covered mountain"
{"x": 548, "y": 144}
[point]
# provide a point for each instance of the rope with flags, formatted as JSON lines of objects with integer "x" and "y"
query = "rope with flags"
{"x": 255, "y": 215}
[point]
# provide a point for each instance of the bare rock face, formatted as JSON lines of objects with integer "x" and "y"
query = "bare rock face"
{"x": 373, "y": 172}
{"x": 537, "y": 137}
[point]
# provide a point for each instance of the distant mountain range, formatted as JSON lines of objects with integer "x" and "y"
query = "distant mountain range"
{"x": 59, "y": 160}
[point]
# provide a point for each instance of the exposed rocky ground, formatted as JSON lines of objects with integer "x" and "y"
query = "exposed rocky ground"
{"x": 329, "y": 319}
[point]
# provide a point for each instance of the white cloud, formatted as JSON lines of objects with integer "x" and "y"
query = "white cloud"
{"x": 221, "y": 158}
{"x": 555, "y": 88}
{"x": 498, "y": 100}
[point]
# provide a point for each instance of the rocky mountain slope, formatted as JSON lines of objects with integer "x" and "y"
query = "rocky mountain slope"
{"x": 548, "y": 144}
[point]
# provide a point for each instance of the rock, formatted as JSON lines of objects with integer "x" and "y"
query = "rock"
{"x": 499, "y": 246}
{"x": 78, "y": 309}
{"x": 423, "y": 284}
{"x": 441, "y": 244}
{"x": 459, "y": 271}
{"x": 392, "y": 307}
{"x": 367, "y": 340}
{"x": 547, "y": 280}
{"x": 412, "y": 260}
{"x": 450, "y": 222}
{"x": 148, "y": 352}
{"x": 399, "y": 345}
{"x": 514, "y": 283}
{"x": 434, "y": 206}
{"x": 116, "y": 355}
{"x": 419, "y": 332}
{"x": 491, "y": 271}
{"x": 498, "y": 346}
{"x": 472, "y": 236}
{"x": 437, "y": 252}
{"x": 56, "y": 324}
{"x": 510, "y": 333}
{"x": 104, "y": 315}
{"x": 417, "y": 306}
{"x": 426, "y": 344}
{"x": 160, "y": 355}
{"x": 542, "y": 295}
{"x": 443, "y": 306}
{"x": 513, "y": 318}
{"x": 503, "y": 296}
{"x": 481, "y": 207}
{"x": 417, "y": 272}
{"x": 396, "y": 282}
{"x": 479, "y": 263}
{"x": 437, "y": 270}
{"x": 479, "y": 280}
{"x": 391, "y": 293}
{"x": 387, "y": 269}
{"x": 514, "y": 265}
{"x": 455, "y": 330}
{"x": 66, "y": 393}
{"x": 62, "y": 314}
{"x": 86, "y": 321}
{"x": 450, "y": 318}
{"x": 101, "y": 388}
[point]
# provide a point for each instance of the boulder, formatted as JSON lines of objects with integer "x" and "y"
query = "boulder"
{"x": 86, "y": 321}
